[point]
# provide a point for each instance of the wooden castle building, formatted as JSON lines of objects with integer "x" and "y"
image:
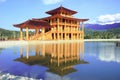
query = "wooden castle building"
{"x": 60, "y": 25}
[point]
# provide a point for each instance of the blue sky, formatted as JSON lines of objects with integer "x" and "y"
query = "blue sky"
{"x": 98, "y": 11}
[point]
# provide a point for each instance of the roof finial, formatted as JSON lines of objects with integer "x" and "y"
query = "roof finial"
{"x": 61, "y": 5}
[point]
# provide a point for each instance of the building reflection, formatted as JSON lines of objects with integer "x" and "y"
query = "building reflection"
{"x": 118, "y": 44}
{"x": 58, "y": 57}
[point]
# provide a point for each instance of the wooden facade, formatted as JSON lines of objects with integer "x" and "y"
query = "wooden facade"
{"x": 63, "y": 26}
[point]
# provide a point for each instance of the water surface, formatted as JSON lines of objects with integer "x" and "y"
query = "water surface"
{"x": 62, "y": 61}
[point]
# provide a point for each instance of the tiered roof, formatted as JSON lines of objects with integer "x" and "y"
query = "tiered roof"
{"x": 61, "y": 9}
{"x": 40, "y": 23}
{"x": 60, "y": 16}
{"x": 32, "y": 24}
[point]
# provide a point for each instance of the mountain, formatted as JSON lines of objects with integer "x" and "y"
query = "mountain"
{"x": 102, "y": 27}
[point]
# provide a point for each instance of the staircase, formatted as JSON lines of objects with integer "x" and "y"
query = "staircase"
{"x": 45, "y": 36}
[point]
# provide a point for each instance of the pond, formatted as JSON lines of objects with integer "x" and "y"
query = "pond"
{"x": 61, "y": 61}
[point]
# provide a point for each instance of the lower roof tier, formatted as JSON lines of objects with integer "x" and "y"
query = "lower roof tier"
{"x": 33, "y": 24}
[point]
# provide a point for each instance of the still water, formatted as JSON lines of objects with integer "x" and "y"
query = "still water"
{"x": 61, "y": 61}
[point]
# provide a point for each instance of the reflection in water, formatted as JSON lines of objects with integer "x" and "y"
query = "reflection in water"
{"x": 105, "y": 51}
{"x": 118, "y": 44}
{"x": 58, "y": 57}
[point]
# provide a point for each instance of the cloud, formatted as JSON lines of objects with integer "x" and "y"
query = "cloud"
{"x": 105, "y": 19}
{"x": 2, "y": 1}
{"x": 108, "y": 19}
{"x": 47, "y": 2}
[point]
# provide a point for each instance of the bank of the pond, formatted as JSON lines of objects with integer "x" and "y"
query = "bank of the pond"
{"x": 102, "y": 40}
{"x": 4, "y": 44}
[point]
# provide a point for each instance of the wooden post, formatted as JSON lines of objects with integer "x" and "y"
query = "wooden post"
{"x": 78, "y": 29}
{"x": 71, "y": 31}
{"x": 80, "y": 36}
{"x": 58, "y": 28}
{"x": 61, "y": 36}
{"x": 37, "y": 31}
{"x": 43, "y": 31}
{"x": 82, "y": 26}
{"x": 82, "y": 30}
{"x": 21, "y": 34}
{"x": 27, "y": 33}
{"x": 54, "y": 35}
{"x": 65, "y": 30}
{"x": 61, "y": 33}
{"x": 78, "y": 25}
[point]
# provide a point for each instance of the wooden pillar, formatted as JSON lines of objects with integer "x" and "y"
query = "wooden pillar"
{"x": 21, "y": 34}
{"x": 72, "y": 36}
{"x": 43, "y": 50}
{"x": 27, "y": 34}
{"x": 78, "y": 29}
{"x": 80, "y": 35}
{"x": 54, "y": 35}
{"x": 71, "y": 32}
{"x": 61, "y": 33}
{"x": 58, "y": 28}
{"x": 61, "y": 36}
{"x": 65, "y": 30}
{"x": 37, "y": 31}
{"x": 43, "y": 32}
{"x": 77, "y": 35}
{"x": 82, "y": 26}
{"x": 82, "y": 30}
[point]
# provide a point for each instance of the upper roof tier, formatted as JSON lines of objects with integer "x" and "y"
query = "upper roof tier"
{"x": 62, "y": 17}
{"x": 60, "y": 10}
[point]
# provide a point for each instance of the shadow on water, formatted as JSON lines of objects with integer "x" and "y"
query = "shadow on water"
{"x": 59, "y": 58}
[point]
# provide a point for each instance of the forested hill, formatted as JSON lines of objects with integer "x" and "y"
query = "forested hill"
{"x": 89, "y": 34}
{"x": 11, "y": 34}
{"x": 102, "y": 34}
{"x": 8, "y": 34}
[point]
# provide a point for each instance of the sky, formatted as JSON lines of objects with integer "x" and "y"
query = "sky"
{"x": 98, "y": 11}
